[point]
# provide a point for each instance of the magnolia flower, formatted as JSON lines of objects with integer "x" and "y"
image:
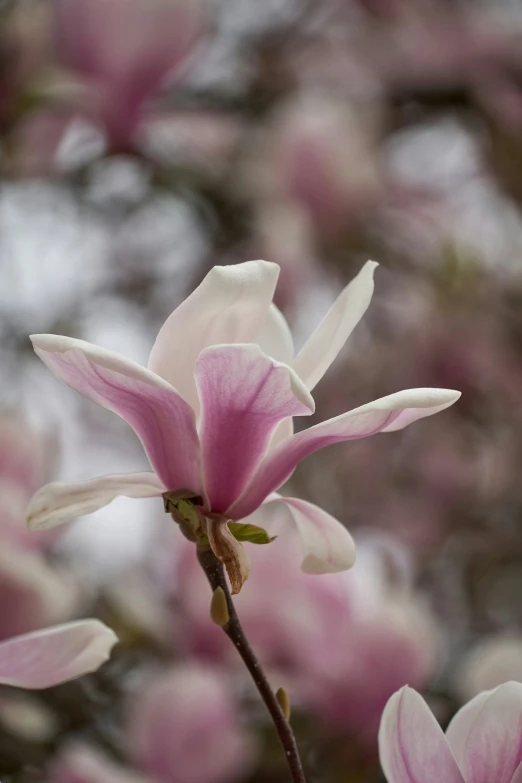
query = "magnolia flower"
{"x": 482, "y": 742}
{"x": 45, "y": 658}
{"x": 126, "y": 49}
{"x": 214, "y": 411}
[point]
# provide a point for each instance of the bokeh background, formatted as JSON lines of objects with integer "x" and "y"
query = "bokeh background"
{"x": 144, "y": 141}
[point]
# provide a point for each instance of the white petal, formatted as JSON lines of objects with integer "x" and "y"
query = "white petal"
{"x": 327, "y": 545}
{"x": 322, "y": 348}
{"x": 485, "y": 735}
{"x": 275, "y": 337}
{"x": 230, "y": 306}
{"x": 412, "y": 746}
{"x": 60, "y": 502}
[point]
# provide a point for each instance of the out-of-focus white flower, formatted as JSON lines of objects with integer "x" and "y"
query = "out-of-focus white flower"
{"x": 494, "y": 660}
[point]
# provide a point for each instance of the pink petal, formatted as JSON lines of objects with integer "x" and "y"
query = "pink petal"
{"x": 327, "y": 545}
{"x": 163, "y": 421}
{"x": 383, "y": 415}
{"x": 230, "y": 306}
{"x": 319, "y": 352}
{"x": 45, "y": 658}
{"x": 412, "y": 746}
{"x": 60, "y": 502}
{"x": 243, "y": 396}
{"x": 486, "y": 735}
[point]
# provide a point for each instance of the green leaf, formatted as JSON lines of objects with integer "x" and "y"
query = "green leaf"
{"x": 252, "y": 533}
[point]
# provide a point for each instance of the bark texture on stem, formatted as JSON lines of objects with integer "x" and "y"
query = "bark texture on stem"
{"x": 215, "y": 574}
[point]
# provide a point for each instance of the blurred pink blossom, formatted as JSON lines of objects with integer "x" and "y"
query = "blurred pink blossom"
{"x": 84, "y": 764}
{"x": 185, "y": 726}
{"x": 214, "y": 410}
{"x": 482, "y": 741}
{"x": 202, "y": 140}
{"x": 321, "y": 154}
{"x": 24, "y": 455}
{"x": 26, "y": 460}
{"x": 33, "y": 593}
{"x": 285, "y": 233}
{"x": 125, "y": 50}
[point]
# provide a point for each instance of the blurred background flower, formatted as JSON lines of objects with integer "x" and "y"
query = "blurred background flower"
{"x": 143, "y": 142}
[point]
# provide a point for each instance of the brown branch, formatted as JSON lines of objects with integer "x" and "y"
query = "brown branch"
{"x": 216, "y": 576}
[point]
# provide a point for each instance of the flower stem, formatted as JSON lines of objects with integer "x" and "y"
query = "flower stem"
{"x": 216, "y": 576}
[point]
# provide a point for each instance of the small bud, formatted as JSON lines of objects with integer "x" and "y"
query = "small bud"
{"x": 219, "y": 608}
{"x": 283, "y": 701}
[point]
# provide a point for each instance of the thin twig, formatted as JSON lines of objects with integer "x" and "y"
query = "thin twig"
{"x": 216, "y": 576}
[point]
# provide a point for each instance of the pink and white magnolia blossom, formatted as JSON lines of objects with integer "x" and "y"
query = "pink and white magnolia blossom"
{"x": 125, "y": 50}
{"x": 481, "y": 745}
{"x": 214, "y": 410}
{"x": 45, "y": 658}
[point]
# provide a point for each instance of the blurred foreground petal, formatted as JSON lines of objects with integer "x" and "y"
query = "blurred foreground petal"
{"x": 45, "y": 658}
